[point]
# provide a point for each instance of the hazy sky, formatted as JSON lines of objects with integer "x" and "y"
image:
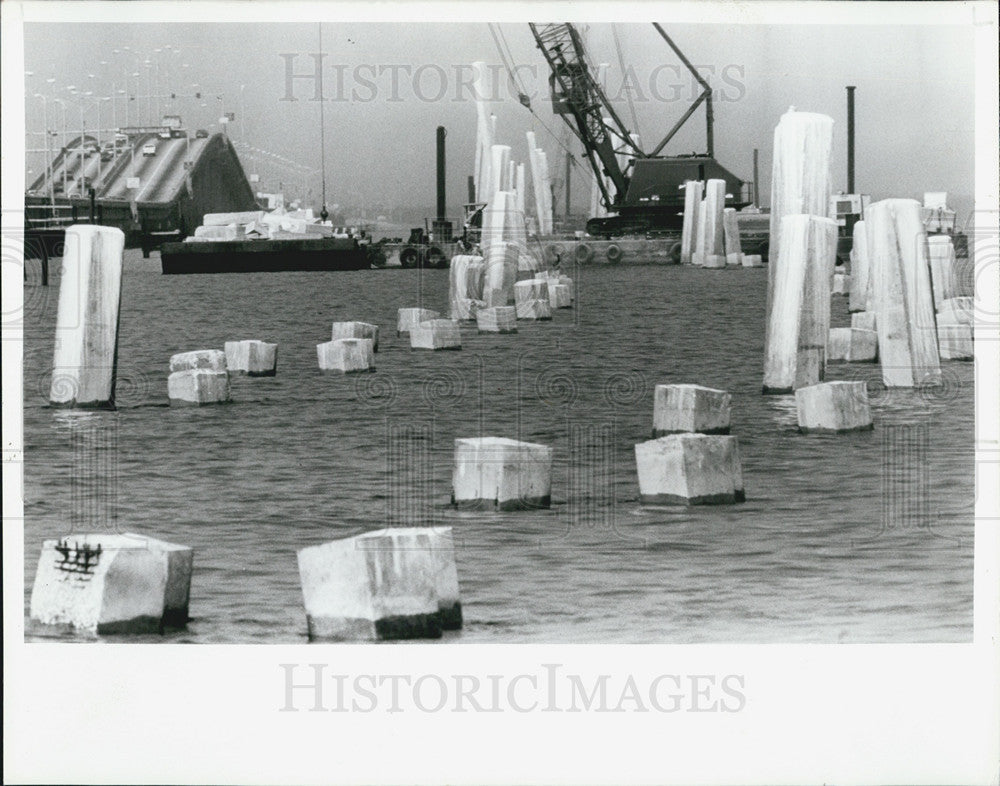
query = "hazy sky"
{"x": 915, "y": 93}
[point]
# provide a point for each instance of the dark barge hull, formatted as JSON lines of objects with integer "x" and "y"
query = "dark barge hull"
{"x": 263, "y": 256}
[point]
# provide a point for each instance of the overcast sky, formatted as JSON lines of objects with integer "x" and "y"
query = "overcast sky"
{"x": 389, "y": 85}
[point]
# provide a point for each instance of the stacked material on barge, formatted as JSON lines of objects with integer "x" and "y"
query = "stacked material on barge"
{"x": 257, "y": 241}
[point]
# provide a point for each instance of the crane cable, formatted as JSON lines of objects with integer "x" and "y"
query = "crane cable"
{"x": 503, "y": 49}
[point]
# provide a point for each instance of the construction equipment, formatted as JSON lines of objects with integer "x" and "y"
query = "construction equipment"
{"x": 646, "y": 193}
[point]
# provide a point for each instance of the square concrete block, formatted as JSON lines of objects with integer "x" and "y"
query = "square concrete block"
{"x": 690, "y": 408}
{"x": 532, "y": 289}
{"x": 112, "y": 583}
{"x": 398, "y": 583}
{"x": 955, "y": 311}
{"x": 690, "y": 469}
{"x": 865, "y": 320}
{"x": 347, "y": 355}
{"x": 503, "y": 473}
{"x": 753, "y": 260}
{"x": 716, "y": 261}
{"x": 355, "y": 330}
{"x": 198, "y": 387}
{"x": 841, "y": 284}
{"x": 500, "y": 319}
{"x": 408, "y": 318}
{"x": 955, "y": 342}
{"x": 253, "y": 358}
{"x": 210, "y": 359}
{"x": 436, "y": 334}
{"x": 559, "y": 296}
{"x": 852, "y": 345}
{"x": 833, "y": 407}
{"x": 534, "y": 309}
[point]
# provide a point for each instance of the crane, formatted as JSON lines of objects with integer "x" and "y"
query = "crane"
{"x": 646, "y": 197}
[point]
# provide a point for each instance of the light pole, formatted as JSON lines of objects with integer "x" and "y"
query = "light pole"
{"x": 242, "y": 112}
{"x": 48, "y": 157}
{"x": 64, "y": 151}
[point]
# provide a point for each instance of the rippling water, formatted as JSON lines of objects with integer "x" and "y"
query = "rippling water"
{"x": 840, "y": 539}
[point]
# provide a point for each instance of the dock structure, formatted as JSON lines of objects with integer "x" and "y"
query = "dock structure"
{"x": 152, "y": 188}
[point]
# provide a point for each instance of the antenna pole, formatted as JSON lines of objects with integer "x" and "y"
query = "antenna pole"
{"x": 324, "y": 214}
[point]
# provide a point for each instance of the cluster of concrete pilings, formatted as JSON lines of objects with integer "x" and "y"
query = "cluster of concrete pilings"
{"x": 906, "y": 314}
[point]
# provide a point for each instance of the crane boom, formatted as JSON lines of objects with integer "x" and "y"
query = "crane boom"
{"x": 582, "y": 104}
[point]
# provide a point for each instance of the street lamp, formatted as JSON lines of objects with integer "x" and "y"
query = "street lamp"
{"x": 48, "y": 157}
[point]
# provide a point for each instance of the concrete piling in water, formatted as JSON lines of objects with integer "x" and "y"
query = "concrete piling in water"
{"x": 941, "y": 252}
{"x": 897, "y": 251}
{"x": 752, "y": 260}
{"x": 500, "y": 274}
{"x": 496, "y": 472}
{"x": 465, "y": 287}
{"x": 253, "y": 358}
{"x": 841, "y": 284}
{"x": 800, "y": 177}
{"x": 108, "y": 583}
{"x": 798, "y": 317}
{"x": 833, "y": 407}
{"x": 860, "y": 298}
{"x": 499, "y": 319}
{"x": 693, "y": 190}
{"x": 436, "y": 334}
{"x": 698, "y": 257}
{"x": 955, "y": 328}
{"x": 355, "y": 330}
{"x": 86, "y": 347}
{"x": 398, "y": 583}
{"x": 690, "y": 469}
{"x": 690, "y": 408}
{"x": 852, "y": 345}
{"x": 407, "y": 318}
{"x": 346, "y": 355}
{"x": 711, "y": 227}
{"x": 198, "y": 378}
{"x": 731, "y": 233}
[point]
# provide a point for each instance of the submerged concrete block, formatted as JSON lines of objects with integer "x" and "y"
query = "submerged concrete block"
{"x": 690, "y": 469}
{"x": 347, "y": 355}
{"x": 436, "y": 334}
{"x": 955, "y": 342}
{"x": 534, "y": 309}
{"x": 559, "y": 296}
{"x": 407, "y": 318}
{"x": 112, "y": 583}
{"x": 499, "y": 319}
{"x": 398, "y": 583}
{"x": 205, "y": 359}
{"x": 503, "y": 473}
{"x": 690, "y": 408}
{"x": 253, "y": 358}
{"x": 864, "y": 320}
{"x": 355, "y": 330}
{"x": 833, "y": 407}
{"x": 714, "y": 261}
{"x": 198, "y": 387}
{"x": 841, "y": 284}
{"x": 753, "y": 260}
{"x": 86, "y": 348}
